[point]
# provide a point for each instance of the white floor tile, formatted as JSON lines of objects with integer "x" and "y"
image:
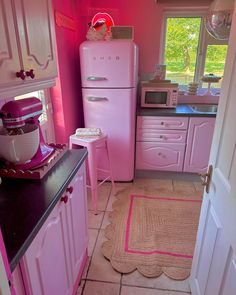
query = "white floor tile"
{"x": 162, "y": 282}
{"x": 100, "y": 288}
{"x": 103, "y": 196}
{"x": 93, "y": 233}
{"x": 105, "y": 220}
{"x": 145, "y": 291}
{"x": 100, "y": 268}
{"x": 95, "y": 221}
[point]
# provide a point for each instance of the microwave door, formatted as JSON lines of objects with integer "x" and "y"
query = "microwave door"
{"x": 157, "y": 98}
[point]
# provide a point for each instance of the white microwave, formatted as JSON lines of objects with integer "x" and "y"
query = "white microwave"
{"x": 159, "y": 96}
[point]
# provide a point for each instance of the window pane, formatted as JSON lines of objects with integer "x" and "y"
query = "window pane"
{"x": 40, "y": 95}
{"x": 182, "y": 37}
{"x": 215, "y": 62}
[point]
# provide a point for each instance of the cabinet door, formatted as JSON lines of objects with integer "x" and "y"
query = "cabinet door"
{"x": 45, "y": 265}
{"x": 153, "y": 123}
{"x": 9, "y": 57}
{"x": 77, "y": 213}
{"x": 157, "y": 156}
{"x": 36, "y": 31}
{"x": 199, "y": 140}
{"x": 17, "y": 282}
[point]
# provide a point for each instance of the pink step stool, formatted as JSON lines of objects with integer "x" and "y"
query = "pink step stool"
{"x": 91, "y": 144}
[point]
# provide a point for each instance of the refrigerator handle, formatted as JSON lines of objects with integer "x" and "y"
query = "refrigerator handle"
{"x": 94, "y": 78}
{"x": 96, "y": 98}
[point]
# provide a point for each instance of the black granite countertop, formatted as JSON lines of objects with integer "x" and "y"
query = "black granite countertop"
{"x": 25, "y": 204}
{"x": 180, "y": 110}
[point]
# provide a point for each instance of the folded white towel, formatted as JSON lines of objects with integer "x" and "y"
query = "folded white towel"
{"x": 88, "y": 132}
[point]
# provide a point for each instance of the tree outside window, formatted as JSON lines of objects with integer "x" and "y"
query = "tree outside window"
{"x": 186, "y": 43}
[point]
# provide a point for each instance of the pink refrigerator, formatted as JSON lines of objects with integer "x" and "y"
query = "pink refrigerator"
{"x": 109, "y": 71}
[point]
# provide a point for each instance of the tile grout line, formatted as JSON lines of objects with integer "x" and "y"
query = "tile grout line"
{"x": 99, "y": 229}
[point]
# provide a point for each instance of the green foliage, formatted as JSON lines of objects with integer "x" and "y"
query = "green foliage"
{"x": 182, "y": 37}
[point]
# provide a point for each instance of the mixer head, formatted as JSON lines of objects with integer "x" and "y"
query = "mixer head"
{"x": 16, "y": 113}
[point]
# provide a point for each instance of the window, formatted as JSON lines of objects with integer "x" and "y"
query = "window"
{"x": 42, "y": 96}
{"x": 189, "y": 51}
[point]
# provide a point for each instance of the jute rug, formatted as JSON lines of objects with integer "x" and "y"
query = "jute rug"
{"x": 152, "y": 234}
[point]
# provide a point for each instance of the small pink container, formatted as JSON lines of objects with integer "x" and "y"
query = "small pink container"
{"x": 160, "y": 72}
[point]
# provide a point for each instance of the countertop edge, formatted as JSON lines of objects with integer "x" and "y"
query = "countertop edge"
{"x": 14, "y": 261}
{"x": 179, "y": 111}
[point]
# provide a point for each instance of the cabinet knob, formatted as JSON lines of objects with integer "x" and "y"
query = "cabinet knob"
{"x": 64, "y": 199}
{"x": 70, "y": 189}
{"x": 21, "y": 74}
{"x": 30, "y": 74}
{"x": 162, "y": 123}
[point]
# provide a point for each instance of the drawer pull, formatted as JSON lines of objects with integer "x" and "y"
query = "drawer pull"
{"x": 21, "y": 74}
{"x": 162, "y": 137}
{"x": 69, "y": 189}
{"x": 30, "y": 74}
{"x": 64, "y": 199}
{"x": 162, "y": 123}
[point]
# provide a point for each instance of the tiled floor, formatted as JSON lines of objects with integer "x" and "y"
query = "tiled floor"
{"x": 99, "y": 278}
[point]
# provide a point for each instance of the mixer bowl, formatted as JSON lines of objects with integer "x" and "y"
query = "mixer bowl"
{"x": 20, "y": 148}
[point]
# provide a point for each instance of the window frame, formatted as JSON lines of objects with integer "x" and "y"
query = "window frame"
{"x": 205, "y": 38}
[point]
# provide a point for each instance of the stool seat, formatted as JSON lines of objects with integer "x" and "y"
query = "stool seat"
{"x": 91, "y": 143}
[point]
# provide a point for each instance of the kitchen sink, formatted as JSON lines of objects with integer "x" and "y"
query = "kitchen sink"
{"x": 204, "y": 108}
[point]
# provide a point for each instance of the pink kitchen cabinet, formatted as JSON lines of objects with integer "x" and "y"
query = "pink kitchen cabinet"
{"x": 161, "y": 143}
{"x": 199, "y": 141}
{"x": 27, "y": 43}
{"x": 17, "y": 282}
{"x": 77, "y": 213}
{"x": 159, "y": 156}
{"x": 54, "y": 261}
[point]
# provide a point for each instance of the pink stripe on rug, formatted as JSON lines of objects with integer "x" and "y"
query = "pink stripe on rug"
{"x": 127, "y": 232}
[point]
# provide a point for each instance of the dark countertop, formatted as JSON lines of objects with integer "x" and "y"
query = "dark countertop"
{"x": 25, "y": 204}
{"x": 179, "y": 111}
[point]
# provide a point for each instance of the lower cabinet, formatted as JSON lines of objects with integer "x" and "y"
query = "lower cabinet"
{"x": 174, "y": 143}
{"x": 161, "y": 143}
{"x": 159, "y": 156}
{"x": 54, "y": 261}
{"x": 199, "y": 139}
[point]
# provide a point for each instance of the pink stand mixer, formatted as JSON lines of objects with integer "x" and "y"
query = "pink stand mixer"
{"x": 21, "y": 118}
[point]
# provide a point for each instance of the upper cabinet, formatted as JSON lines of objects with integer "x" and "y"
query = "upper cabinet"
{"x": 9, "y": 54}
{"x": 27, "y": 50}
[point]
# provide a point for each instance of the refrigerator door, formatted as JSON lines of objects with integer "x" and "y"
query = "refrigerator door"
{"x": 113, "y": 110}
{"x": 109, "y": 64}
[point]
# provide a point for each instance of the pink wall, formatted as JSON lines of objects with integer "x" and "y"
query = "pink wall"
{"x": 66, "y": 96}
{"x": 146, "y": 17}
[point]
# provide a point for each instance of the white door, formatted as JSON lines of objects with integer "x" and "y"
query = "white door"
{"x": 214, "y": 262}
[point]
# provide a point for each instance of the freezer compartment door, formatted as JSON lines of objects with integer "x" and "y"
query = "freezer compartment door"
{"x": 110, "y": 64}
{"x": 113, "y": 110}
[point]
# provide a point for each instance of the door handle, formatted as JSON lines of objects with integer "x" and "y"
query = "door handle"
{"x": 94, "y": 78}
{"x": 96, "y": 98}
{"x": 206, "y": 178}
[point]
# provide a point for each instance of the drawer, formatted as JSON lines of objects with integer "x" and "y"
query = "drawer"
{"x": 165, "y": 136}
{"x": 160, "y": 156}
{"x": 162, "y": 123}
